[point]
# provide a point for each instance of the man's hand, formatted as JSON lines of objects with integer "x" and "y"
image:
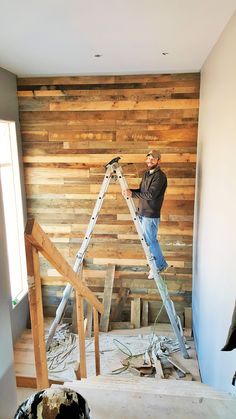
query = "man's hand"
{"x": 127, "y": 193}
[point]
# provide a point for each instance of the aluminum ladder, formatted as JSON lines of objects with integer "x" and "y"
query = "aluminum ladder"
{"x": 114, "y": 172}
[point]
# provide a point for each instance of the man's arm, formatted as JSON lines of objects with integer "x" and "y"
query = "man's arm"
{"x": 157, "y": 187}
{"x": 127, "y": 193}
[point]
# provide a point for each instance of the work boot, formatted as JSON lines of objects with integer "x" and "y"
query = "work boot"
{"x": 151, "y": 275}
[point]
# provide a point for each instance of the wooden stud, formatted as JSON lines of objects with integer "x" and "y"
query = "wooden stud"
{"x": 77, "y": 370}
{"x": 89, "y": 320}
{"x": 109, "y": 280}
{"x": 188, "y": 321}
{"x": 74, "y": 326}
{"x": 135, "y": 313}
{"x": 96, "y": 341}
{"x": 81, "y": 334}
{"x": 144, "y": 313}
{"x": 36, "y": 315}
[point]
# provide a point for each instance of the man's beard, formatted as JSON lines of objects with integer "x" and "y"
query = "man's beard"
{"x": 152, "y": 167}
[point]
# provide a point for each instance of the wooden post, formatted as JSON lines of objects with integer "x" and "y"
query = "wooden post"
{"x": 96, "y": 341}
{"x": 187, "y": 321}
{"x": 135, "y": 313}
{"x": 108, "y": 288}
{"x": 36, "y": 315}
{"x": 89, "y": 320}
{"x": 74, "y": 325}
{"x": 81, "y": 335}
{"x": 74, "y": 322}
{"x": 144, "y": 313}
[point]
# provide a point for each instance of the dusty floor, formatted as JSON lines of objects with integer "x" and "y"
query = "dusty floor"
{"x": 115, "y": 346}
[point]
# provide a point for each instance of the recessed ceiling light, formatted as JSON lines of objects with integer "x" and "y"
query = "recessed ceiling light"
{"x": 97, "y": 55}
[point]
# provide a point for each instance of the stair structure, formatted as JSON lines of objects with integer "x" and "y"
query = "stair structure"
{"x": 115, "y": 397}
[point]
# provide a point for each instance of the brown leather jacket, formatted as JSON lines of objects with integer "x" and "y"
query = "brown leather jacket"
{"x": 151, "y": 193}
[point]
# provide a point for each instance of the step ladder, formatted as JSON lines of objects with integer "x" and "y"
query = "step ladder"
{"x": 114, "y": 172}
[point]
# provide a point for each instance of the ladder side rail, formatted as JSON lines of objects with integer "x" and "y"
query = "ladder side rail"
{"x": 151, "y": 261}
{"x": 93, "y": 220}
{"x": 59, "y": 314}
{"x": 80, "y": 256}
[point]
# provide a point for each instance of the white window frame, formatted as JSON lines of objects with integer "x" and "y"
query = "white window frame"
{"x": 13, "y": 210}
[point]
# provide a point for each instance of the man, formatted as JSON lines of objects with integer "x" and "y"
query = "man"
{"x": 151, "y": 195}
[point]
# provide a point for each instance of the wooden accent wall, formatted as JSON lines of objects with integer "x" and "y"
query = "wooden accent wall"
{"x": 71, "y": 127}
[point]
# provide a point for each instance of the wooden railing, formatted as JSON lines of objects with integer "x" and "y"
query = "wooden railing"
{"x": 37, "y": 241}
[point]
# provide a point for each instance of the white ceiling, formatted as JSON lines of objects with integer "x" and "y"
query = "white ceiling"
{"x": 61, "y": 37}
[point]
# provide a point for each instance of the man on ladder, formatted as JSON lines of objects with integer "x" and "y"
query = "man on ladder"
{"x": 151, "y": 195}
{"x": 114, "y": 171}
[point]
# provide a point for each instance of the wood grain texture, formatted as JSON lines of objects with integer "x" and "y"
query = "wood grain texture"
{"x": 71, "y": 127}
{"x": 108, "y": 289}
{"x": 36, "y": 316}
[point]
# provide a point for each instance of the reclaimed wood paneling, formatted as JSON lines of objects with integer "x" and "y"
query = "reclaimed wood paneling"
{"x": 71, "y": 127}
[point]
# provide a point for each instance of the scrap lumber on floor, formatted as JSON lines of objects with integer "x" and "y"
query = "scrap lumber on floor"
{"x": 110, "y": 356}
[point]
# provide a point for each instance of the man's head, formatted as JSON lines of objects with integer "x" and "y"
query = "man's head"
{"x": 152, "y": 159}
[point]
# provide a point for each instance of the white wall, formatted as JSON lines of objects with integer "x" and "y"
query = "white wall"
{"x": 214, "y": 276}
{"x": 12, "y": 321}
{"x": 8, "y": 401}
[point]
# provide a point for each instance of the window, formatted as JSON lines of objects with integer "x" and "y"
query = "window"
{"x": 13, "y": 210}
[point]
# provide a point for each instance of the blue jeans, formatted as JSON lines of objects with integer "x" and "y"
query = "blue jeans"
{"x": 150, "y": 229}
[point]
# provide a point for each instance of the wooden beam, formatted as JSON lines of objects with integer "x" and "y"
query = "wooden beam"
{"x": 81, "y": 334}
{"x": 36, "y": 236}
{"x": 96, "y": 341}
{"x": 36, "y": 315}
{"x": 31, "y": 382}
{"x": 121, "y": 325}
{"x": 108, "y": 288}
